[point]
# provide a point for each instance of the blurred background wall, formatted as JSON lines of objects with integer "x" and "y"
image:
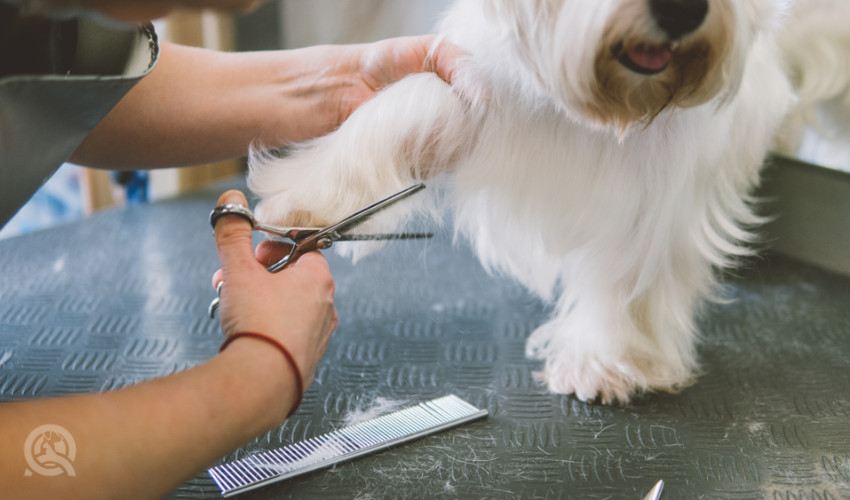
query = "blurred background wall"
{"x": 353, "y": 21}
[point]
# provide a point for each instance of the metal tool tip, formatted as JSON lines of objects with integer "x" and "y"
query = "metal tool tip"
{"x": 655, "y": 492}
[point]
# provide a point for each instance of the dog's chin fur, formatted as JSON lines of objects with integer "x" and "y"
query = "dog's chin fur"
{"x": 615, "y": 195}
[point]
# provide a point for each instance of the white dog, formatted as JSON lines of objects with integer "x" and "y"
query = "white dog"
{"x": 606, "y": 165}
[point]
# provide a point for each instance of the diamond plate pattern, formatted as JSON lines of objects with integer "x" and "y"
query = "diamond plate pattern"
{"x": 122, "y": 299}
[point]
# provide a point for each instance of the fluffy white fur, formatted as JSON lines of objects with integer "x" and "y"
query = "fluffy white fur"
{"x": 815, "y": 44}
{"x": 614, "y": 194}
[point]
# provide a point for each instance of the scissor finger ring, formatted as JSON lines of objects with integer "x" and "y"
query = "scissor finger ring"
{"x": 216, "y": 301}
{"x": 231, "y": 209}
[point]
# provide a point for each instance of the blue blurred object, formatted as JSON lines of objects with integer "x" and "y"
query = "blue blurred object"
{"x": 57, "y": 201}
{"x": 135, "y": 184}
{"x": 60, "y": 200}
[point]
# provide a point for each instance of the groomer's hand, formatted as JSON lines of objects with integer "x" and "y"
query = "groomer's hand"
{"x": 212, "y": 105}
{"x": 295, "y": 305}
{"x": 377, "y": 65}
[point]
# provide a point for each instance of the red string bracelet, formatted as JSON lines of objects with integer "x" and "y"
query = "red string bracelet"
{"x": 299, "y": 382}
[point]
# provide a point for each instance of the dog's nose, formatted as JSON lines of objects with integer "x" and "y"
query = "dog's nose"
{"x": 678, "y": 17}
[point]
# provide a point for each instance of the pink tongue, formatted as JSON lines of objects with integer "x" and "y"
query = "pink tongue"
{"x": 653, "y": 58}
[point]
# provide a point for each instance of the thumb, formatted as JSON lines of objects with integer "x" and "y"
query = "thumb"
{"x": 443, "y": 59}
{"x": 451, "y": 63}
{"x": 233, "y": 235}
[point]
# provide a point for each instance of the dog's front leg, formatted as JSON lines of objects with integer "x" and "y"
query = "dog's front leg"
{"x": 602, "y": 346}
{"x": 413, "y": 130}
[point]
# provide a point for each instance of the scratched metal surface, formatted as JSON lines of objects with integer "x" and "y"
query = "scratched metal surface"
{"x": 121, "y": 298}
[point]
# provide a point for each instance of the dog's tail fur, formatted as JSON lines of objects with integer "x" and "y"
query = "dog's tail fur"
{"x": 815, "y": 45}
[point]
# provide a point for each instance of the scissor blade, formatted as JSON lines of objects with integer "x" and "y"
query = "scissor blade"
{"x": 362, "y": 215}
{"x": 383, "y": 236}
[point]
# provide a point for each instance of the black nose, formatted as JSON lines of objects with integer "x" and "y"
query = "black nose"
{"x": 678, "y": 17}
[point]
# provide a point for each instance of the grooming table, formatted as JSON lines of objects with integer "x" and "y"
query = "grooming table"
{"x": 121, "y": 297}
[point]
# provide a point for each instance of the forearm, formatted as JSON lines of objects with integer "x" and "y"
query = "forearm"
{"x": 145, "y": 440}
{"x": 198, "y": 106}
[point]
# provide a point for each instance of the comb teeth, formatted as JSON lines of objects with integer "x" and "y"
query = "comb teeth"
{"x": 260, "y": 469}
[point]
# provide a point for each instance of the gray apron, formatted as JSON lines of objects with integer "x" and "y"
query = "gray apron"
{"x": 45, "y": 117}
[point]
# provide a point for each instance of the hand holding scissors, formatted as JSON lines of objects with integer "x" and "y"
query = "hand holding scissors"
{"x": 309, "y": 239}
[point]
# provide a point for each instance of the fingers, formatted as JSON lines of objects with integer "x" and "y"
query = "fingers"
{"x": 450, "y": 63}
{"x": 233, "y": 235}
{"x": 315, "y": 261}
{"x": 217, "y": 278}
{"x": 443, "y": 59}
{"x": 269, "y": 252}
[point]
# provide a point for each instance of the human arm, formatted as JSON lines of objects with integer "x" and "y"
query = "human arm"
{"x": 144, "y": 440}
{"x": 198, "y": 106}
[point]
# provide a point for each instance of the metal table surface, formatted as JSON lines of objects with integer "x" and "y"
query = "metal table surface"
{"x": 121, "y": 297}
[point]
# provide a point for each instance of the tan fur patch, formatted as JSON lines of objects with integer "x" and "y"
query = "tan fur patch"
{"x": 694, "y": 76}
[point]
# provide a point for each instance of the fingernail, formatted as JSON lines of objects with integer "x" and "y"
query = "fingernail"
{"x": 233, "y": 196}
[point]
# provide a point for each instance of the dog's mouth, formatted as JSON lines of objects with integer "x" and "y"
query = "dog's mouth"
{"x": 643, "y": 57}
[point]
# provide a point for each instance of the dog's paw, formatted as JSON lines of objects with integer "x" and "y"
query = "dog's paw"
{"x": 609, "y": 374}
{"x": 591, "y": 382}
{"x": 312, "y": 188}
{"x": 300, "y": 200}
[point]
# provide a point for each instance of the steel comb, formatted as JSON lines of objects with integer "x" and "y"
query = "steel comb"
{"x": 263, "y": 468}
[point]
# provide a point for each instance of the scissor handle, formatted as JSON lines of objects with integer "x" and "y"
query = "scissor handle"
{"x": 282, "y": 263}
{"x": 232, "y": 209}
{"x": 299, "y": 249}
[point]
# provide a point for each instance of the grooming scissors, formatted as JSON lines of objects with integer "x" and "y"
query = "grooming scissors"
{"x": 307, "y": 239}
